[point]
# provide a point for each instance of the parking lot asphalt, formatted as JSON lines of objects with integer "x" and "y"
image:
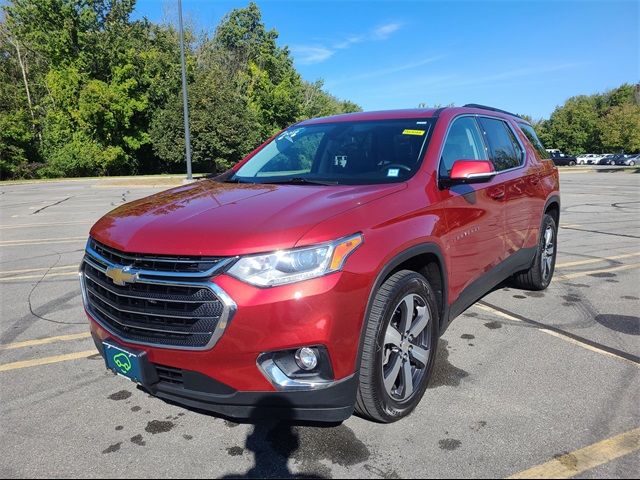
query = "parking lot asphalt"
{"x": 547, "y": 381}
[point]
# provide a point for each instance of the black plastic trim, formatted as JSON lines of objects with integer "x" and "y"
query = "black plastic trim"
{"x": 492, "y": 109}
{"x": 480, "y": 287}
{"x": 333, "y": 404}
{"x": 550, "y": 200}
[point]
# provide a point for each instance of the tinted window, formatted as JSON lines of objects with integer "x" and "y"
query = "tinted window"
{"x": 505, "y": 150}
{"x": 530, "y": 133}
{"x": 464, "y": 142}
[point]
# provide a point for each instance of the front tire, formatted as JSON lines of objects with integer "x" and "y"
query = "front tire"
{"x": 399, "y": 348}
{"x": 539, "y": 276}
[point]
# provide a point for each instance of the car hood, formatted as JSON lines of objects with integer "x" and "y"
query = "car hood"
{"x": 224, "y": 219}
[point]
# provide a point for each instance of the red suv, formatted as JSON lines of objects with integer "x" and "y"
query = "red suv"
{"x": 316, "y": 276}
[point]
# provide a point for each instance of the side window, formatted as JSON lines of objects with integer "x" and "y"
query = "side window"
{"x": 505, "y": 150}
{"x": 464, "y": 142}
{"x": 530, "y": 133}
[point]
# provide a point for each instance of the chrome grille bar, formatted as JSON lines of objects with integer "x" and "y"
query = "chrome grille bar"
{"x": 177, "y": 310}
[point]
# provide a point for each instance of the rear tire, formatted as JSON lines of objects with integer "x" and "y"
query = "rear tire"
{"x": 572, "y": 163}
{"x": 539, "y": 276}
{"x": 399, "y": 348}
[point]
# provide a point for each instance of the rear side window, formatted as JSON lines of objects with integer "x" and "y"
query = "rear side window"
{"x": 530, "y": 133}
{"x": 505, "y": 150}
{"x": 464, "y": 142}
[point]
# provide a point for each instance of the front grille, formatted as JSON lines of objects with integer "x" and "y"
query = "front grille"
{"x": 158, "y": 263}
{"x": 170, "y": 375}
{"x": 171, "y": 311}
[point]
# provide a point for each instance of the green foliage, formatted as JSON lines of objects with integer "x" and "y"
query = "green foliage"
{"x": 85, "y": 90}
{"x": 16, "y": 128}
{"x": 607, "y": 122}
{"x": 106, "y": 91}
{"x": 620, "y": 128}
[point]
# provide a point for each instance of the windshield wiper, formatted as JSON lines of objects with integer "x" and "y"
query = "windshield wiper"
{"x": 301, "y": 181}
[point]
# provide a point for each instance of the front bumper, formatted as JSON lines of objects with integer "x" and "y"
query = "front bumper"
{"x": 226, "y": 379}
{"x": 197, "y": 391}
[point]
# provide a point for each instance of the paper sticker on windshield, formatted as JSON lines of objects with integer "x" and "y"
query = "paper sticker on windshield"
{"x": 408, "y": 131}
{"x": 393, "y": 172}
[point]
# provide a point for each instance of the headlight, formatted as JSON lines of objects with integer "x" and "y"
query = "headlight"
{"x": 295, "y": 265}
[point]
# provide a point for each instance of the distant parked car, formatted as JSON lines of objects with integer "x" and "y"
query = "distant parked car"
{"x": 560, "y": 158}
{"x": 588, "y": 159}
{"x": 612, "y": 159}
{"x": 629, "y": 160}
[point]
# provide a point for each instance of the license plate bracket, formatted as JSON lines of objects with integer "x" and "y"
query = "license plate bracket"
{"x": 126, "y": 362}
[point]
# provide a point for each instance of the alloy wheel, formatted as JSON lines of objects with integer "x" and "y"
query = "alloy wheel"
{"x": 548, "y": 248}
{"x": 406, "y": 351}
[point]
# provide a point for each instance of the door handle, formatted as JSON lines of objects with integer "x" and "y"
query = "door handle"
{"x": 497, "y": 193}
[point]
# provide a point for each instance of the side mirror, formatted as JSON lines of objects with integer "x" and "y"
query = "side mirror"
{"x": 469, "y": 171}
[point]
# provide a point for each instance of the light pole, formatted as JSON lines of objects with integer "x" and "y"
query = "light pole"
{"x": 185, "y": 100}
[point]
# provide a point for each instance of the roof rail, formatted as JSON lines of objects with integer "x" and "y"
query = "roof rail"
{"x": 484, "y": 107}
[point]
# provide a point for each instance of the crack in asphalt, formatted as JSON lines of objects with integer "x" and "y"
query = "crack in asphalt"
{"x": 619, "y": 353}
{"x": 602, "y": 233}
{"x": 51, "y": 205}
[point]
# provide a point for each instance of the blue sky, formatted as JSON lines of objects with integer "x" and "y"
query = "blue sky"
{"x": 522, "y": 56}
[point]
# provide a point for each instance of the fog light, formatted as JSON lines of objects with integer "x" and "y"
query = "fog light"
{"x": 306, "y": 358}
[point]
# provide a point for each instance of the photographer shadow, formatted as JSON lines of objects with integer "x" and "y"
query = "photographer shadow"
{"x": 274, "y": 440}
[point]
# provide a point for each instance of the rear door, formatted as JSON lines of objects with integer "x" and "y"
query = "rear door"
{"x": 474, "y": 213}
{"x": 519, "y": 181}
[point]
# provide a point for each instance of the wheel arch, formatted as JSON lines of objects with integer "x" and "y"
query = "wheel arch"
{"x": 552, "y": 207}
{"x": 426, "y": 259}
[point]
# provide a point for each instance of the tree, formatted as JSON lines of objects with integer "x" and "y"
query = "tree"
{"x": 87, "y": 91}
{"x": 17, "y": 132}
{"x": 620, "y": 129}
{"x": 594, "y": 123}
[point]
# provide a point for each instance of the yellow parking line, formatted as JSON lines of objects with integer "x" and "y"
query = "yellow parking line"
{"x": 596, "y": 260}
{"x": 43, "y": 341}
{"x": 570, "y": 276}
{"x": 38, "y": 241}
{"x": 28, "y": 270}
{"x": 579, "y": 461}
{"x": 33, "y": 225}
{"x": 46, "y": 360}
{"x": 30, "y": 277}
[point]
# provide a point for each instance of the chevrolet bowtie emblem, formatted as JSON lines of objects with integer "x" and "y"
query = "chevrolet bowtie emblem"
{"x": 121, "y": 276}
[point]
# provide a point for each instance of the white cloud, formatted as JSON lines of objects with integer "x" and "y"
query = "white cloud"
{"x": 307, "y": 55}
{"x": 352, "y": 40}
{"x": 463, "y": 84}
{"x": 384, "y": 31}
{"x": 387, "y": 71}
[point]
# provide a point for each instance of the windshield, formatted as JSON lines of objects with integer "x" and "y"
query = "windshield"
{"x": 347, "y": 153}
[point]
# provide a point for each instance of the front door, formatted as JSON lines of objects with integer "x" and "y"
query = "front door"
{"x": 475, "y": 240}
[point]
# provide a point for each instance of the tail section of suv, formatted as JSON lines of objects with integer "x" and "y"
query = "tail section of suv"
{"x": 314, "y": 278}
